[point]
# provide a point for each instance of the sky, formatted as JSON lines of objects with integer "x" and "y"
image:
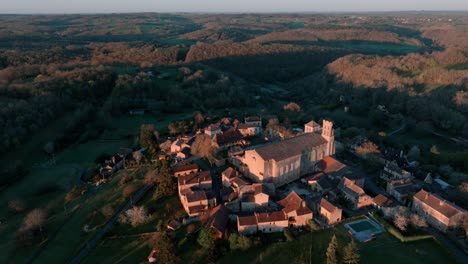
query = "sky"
{"x": 120, "y": 6}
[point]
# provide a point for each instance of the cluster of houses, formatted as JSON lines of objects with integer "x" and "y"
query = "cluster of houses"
{"x": 115, "y": 163}
{"x": 272, "y": 186}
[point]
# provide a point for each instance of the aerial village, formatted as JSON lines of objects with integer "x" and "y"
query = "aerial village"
{"x": 290, "y": 183}
{"x": 254, "y": 179}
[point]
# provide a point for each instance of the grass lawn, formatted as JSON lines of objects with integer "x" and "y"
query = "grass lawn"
{"x": 384, "y": 249}
{"x": 124, "y": 250}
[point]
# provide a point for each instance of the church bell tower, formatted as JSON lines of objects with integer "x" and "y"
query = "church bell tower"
{"x": 329, "y": 134}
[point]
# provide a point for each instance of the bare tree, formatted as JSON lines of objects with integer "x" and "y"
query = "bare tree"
{"x": 418, "y": 221}
{"x": 35, "y": 220}
{"x": 402, "y": 218}
{"x": 135, "y": 216}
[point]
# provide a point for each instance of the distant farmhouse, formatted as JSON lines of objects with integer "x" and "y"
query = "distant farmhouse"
{"x": 286, "y": 161}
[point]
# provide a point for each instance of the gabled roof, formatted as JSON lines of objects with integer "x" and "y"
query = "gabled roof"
{"x": 247, "y": 220}
{"x": 230, "y": 173}
{"x": 230, "y": 136}
{"x": 271, "y": 217}
{"x": 438, "y": 204}
{"x": 218, "y": 218}
{"x": 252, "y": 119}
{"x": 329, "y": 165}
{"x": 349, "y": 185}
{"x": 245, "y": 126}
{"x": 383, "y": 201}
{"x": 290, "y": 147}
{"x": 187, "y": 167}
{"x": 195, "y": 196}
{"x": 312, "y": 124}
{"x": 328, "y": 206}
{"x": 294, "y": 202}
{"x": 195, "y": 177}
{"x": 196, "y": 209}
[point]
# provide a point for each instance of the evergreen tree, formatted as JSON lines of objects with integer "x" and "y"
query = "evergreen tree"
{"x": 206, "y": 238}
{"x": 331, "y": 251}
{"x": 351, "y": 253}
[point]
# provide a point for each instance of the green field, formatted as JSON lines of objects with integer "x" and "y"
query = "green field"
{"x": 383, "y": 249}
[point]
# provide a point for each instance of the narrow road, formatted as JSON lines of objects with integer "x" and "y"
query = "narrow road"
{"x": 462, "y": 256}
{"x": 398, "y": 130}
{"x": 109, "y": 225}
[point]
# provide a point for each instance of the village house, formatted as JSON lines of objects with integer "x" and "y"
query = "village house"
{"x": 296, "y": 209}
{"x": 319, "y": 183}
{"x": 217, "y": 220}
{"x": 249, "y": 130}
{"x": 212, "y": 130}
{"x": 331, "y": 213}
{"x": 253, "y": 197}
{"x": 401, "y": 189}
{"x": 228, "y": 175}
{"x": 381, "y": 201}
{"x": 179, "y": 144}
{"x": 229, "y": 138}
{"x": 199, "y": 180}
{"x": 247, "y": 225}
{"x": 392, "y": 171}
{"x": 192, "y": 192}
{"x": 184, "y": 154}
{"x": 270, "y": 222}
{"x": 253, "y": 120}
{"x": 286, "y": 161}
{"x": 195, "y": 202}
{"x": 354, "y": 193}
{"x": 438, "y": 213}
{"x": 185, "y": 169}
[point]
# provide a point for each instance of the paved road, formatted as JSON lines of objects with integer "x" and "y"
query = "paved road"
{"x": 109, "y": 225}
{"x": 462, "y": 256}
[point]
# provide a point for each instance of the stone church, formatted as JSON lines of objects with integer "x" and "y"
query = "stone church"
{"x": 288, "y": 160}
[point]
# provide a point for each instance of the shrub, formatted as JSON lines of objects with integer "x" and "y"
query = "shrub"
{"x": 17, "y": 206}
{"x": 129, "y": 191}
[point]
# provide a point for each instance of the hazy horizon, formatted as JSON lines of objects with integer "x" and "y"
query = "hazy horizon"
{"x": 225, "y": 6}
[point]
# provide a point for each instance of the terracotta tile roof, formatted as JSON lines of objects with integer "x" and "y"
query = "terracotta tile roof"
{"x": 315, "y": 177}
{"x": 230, "y": 173}
{"x": 185, "y": 168}
{"x": 312, "y": 124}
{"x": 271, "y": 217}
{"x": 290, "y": 147}
{"x": 195, "y": 177}
{"x": 292, "y": 202}
{"x": 240, "y": 181}
{"x": 245, "y": 126}
{"x": 218, "y": 218}
{"x": 196, "y": 209}
{"x": 438, "y": 204}
{"x": 351, "y": 186}
{"x": 321, "y": 180}
{"x": 327, "y": 205}
{"x": 247, "y": 220}
{"x": 383, "y": 201}
{"x": 230, "y": 136}
{"x": 195, "y": 196}
{"x": 329, "y": 165}
{"x": 252, "y": 119}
